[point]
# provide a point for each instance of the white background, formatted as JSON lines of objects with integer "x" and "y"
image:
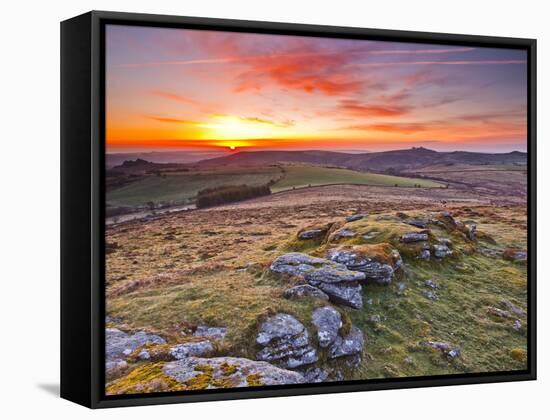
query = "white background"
{"x": 29, "y": 227}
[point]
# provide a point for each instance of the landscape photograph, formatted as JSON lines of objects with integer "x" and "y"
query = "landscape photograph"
{"x": 284, "y": 210}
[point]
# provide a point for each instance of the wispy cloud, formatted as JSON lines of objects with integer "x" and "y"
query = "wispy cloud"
{"x": 358, "y": 109}
{"x": 174, "y": 120}
{"x": 422, "y": 51}
{"x": 443, "y": 63}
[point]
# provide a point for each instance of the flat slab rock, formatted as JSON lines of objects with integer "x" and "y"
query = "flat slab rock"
{"x": 334, "y": 279}
{"x": 305, "y": 290}
{"x": 285, "y": 342}
{"x": 414, "y": 237}
{"x": 232, "y": 372}
{"x": 352, "y": 259}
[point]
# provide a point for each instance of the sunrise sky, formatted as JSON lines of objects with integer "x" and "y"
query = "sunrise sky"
{"x": 179, "y": 89}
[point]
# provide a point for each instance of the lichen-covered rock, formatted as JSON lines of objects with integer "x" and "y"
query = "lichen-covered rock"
{"x": 196, "y": 349}
{"x": 349, "y": 345}
{"x": 228, "y": 372}
{"x": 285, "y": 342}
{"x": 441, "y": 251}
{"x": 335, "y": 280}
{"x": 119, "y": 344}
{"x": 296, "y": 264}
{"x": 414, "y": 237}
{"x": 359, "y": 258}
{"x": 305, "y": 290}
{"x": 328, "y": 322}
{"x": 217, "y": 333}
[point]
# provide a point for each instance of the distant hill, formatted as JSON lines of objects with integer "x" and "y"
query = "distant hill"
{"x": 116, "y": 159}
{"x": 396, "y": 160}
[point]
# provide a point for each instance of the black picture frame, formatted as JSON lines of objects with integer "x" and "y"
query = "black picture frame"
{"x": 83, "y": 198}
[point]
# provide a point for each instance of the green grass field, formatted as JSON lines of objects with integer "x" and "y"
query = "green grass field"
{"x": 303, "y": 176}
{"x": 182, "y": 188}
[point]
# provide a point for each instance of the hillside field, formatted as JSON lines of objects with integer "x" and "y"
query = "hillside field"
{"x": 182, "y": 187}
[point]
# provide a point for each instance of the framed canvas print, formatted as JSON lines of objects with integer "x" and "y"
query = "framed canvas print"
{"x": 256, "y": 209}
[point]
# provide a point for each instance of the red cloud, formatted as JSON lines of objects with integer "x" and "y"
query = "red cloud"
{"x": 306, "y": 70}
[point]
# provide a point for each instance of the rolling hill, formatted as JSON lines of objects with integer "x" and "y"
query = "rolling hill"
{"x": 397, "y": 160}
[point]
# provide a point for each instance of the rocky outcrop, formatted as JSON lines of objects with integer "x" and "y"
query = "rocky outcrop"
{"x": 305, "y": 290}
{"x": 284, "y": 341}
{"x": 228, "y": 372}
{"x": 365, "y": 260}
{"x": 328, "y": 322}
{"x": 193, "y": 349}
{"x": 339, "y": 283}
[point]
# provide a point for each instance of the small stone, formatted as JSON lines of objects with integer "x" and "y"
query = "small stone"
{"x": 498, "y": 312}
{"x": 375, "y": 319}
{"x": 454, "y": 353}
{"x": 425, "y": 254}
{"x": 441, "y": 251}
{"x": 417, "y": 223}
{"x": 311, "y": 234}
{"x": 355, "y": 217}
{"x": 517, "y": 325}
{"x": 430, "y": 295}
{"x": 342, "y": 233}
{"x": 414, "y": 237}
{"x": 431, "y": 284}
{"x": 371, "y": 235}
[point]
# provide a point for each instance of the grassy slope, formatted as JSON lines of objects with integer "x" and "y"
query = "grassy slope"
{"x": 303, "y": 176}
{"x": 181, "y": 188}
{"x": 216, "y": 293}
